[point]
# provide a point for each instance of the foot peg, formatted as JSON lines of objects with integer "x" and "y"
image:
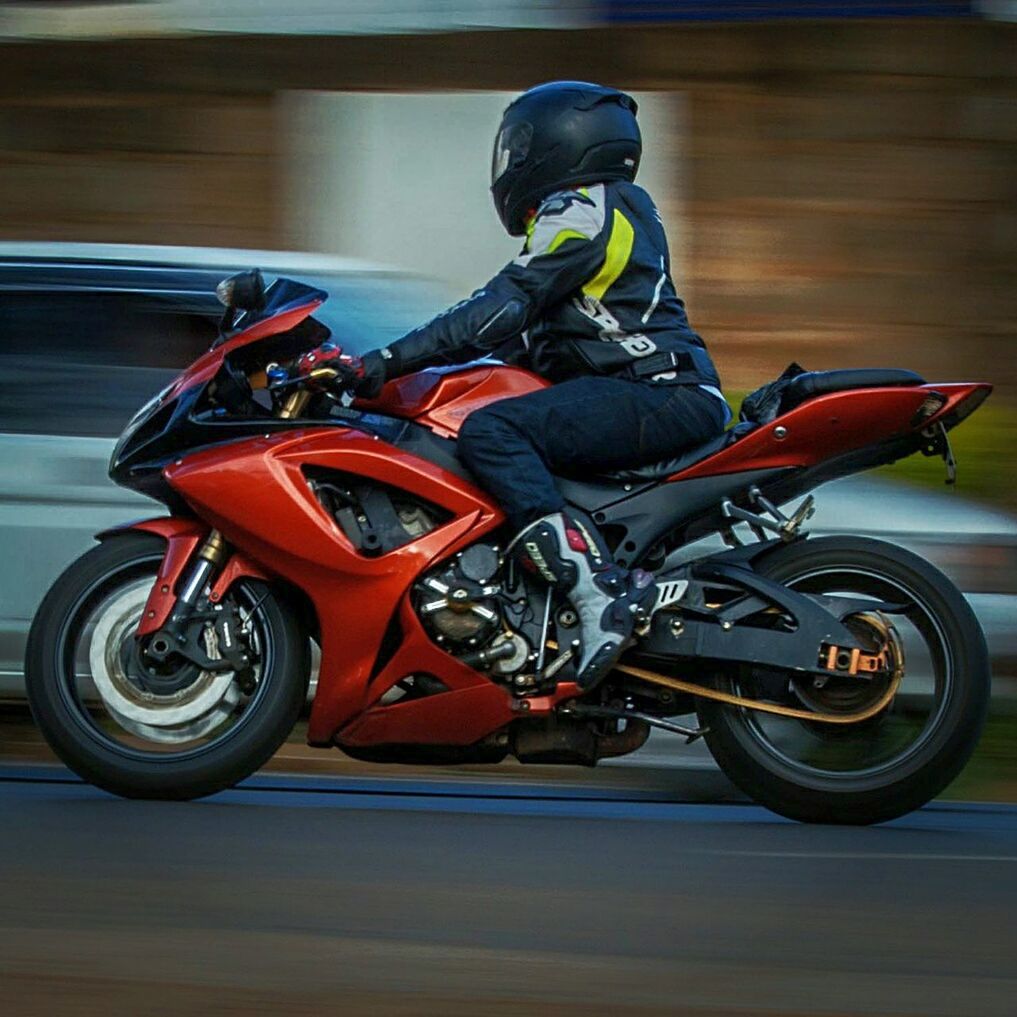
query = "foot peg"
{"x": 769, "y": 518}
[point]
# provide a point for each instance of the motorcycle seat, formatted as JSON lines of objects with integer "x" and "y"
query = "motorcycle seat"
{"x": 817, "y": 383}
{"x": 593, "y": 492}
{"x": 667, "y": 467}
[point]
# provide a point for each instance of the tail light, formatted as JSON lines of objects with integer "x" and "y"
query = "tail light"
{"x": 968, "y": 405}
{"x": 964, "y": 404}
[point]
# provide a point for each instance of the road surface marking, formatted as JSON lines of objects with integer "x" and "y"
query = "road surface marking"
{"x": 867, "y": 856}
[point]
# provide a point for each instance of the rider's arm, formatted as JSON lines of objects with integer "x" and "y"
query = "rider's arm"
{"x": 565, "y": 247}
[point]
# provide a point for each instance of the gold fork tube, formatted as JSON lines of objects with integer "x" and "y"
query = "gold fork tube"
{"x": 294, "y": 404}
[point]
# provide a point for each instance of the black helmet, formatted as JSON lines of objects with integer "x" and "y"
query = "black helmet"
{"x": 561, "y": 133}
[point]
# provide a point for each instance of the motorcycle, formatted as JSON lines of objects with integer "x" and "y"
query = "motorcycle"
{"x": 839, "y": 679}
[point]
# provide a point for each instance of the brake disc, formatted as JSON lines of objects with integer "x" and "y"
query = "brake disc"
{"x": 179, "y": 716}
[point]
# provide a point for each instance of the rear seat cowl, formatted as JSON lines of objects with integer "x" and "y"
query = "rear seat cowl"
{"x": 806, "y": 386}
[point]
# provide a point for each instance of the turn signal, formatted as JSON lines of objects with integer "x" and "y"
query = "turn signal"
{"x": 931, "y": 405}
{"x": 244, "y": 291}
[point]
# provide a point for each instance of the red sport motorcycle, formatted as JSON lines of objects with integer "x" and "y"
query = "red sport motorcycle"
{"x": 839, "y": 679}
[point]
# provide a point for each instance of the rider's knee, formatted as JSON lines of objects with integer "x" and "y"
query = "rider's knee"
{"x": 482, "y": 427}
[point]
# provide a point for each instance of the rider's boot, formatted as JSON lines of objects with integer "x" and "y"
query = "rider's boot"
{"x": 568, "y": 551}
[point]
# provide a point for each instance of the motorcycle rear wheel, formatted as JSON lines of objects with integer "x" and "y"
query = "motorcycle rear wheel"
{"x": 180, "y": 734}
{"x": 885, "y": 767}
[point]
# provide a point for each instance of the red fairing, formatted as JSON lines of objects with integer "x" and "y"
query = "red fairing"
{"x": 829, "y": 426}
{"x": 473, "y": 707}
{"x": 183, "y": 537}
{"x": 255, "y": 492}
{"x": 354, "y": 596}
{"x": 443, "y": 400}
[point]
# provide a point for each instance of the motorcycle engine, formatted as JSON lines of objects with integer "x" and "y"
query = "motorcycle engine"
{"x": 460, "y": 604}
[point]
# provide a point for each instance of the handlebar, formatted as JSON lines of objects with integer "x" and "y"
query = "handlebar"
{"x": 279, "y": 378}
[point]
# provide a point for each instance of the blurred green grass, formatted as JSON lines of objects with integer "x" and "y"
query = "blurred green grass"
{"x": 984, "y": 445}
{"x": 991, "y": 775}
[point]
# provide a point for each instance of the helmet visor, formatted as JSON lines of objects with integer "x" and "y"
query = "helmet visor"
{"x": 510, "y": 148}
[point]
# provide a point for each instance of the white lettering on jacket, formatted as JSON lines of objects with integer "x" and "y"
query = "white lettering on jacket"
{"x": 609, "y": 329}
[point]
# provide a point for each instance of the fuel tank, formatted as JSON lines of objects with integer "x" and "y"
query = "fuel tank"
{"x": 442, "y": 398}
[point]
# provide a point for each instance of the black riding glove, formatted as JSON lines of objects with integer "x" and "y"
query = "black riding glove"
{"x": 368, "y": 375}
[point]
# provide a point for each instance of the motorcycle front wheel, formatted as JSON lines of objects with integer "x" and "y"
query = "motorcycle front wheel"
{"x": 173, "y": 731}
{"x": 895, "y": 761}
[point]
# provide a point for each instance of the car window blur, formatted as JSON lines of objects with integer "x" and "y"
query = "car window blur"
{"x": 82, "y": 363}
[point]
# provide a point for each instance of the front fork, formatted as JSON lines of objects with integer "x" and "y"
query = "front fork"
{"x": 183, "y": 631}
{"x": 294, "y": 404}
{"x": 211, "y": 557}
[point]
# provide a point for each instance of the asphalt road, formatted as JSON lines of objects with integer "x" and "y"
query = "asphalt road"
{"x": 406, "y": 897}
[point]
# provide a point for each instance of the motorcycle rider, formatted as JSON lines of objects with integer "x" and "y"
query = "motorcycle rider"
{"x": 591, "y": 296}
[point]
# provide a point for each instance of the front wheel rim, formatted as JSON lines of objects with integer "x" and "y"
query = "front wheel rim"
{"x": 210, "y": 712}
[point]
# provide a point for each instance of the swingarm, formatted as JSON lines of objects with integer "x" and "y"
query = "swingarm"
{"x": 731, "y": 613}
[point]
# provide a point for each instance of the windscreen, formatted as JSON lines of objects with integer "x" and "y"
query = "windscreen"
{"x": 281, "y": 297}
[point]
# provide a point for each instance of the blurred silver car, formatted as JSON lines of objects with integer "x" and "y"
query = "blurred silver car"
{"x": 87, "y": 334}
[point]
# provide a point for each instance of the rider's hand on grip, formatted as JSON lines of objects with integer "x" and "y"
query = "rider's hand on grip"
{"x": 370, "y": 375}
{"x": 361, "y": 376}
{"x": 327, "y": 356}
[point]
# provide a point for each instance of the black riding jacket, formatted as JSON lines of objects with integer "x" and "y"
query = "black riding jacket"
{"x": 591, "y": 293}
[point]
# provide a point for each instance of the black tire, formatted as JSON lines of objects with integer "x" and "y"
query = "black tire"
{"x": 264, "y": 723}
{"x": 961, "y": 686}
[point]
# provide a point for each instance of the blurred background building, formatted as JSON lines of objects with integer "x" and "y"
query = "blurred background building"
{"x": 839, "y": 178}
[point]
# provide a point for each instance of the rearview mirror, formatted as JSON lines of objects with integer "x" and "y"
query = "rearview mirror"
{"x": 244, "y": 291}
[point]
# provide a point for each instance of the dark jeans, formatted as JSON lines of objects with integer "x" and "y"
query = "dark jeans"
{"x": 580, "y": 428}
